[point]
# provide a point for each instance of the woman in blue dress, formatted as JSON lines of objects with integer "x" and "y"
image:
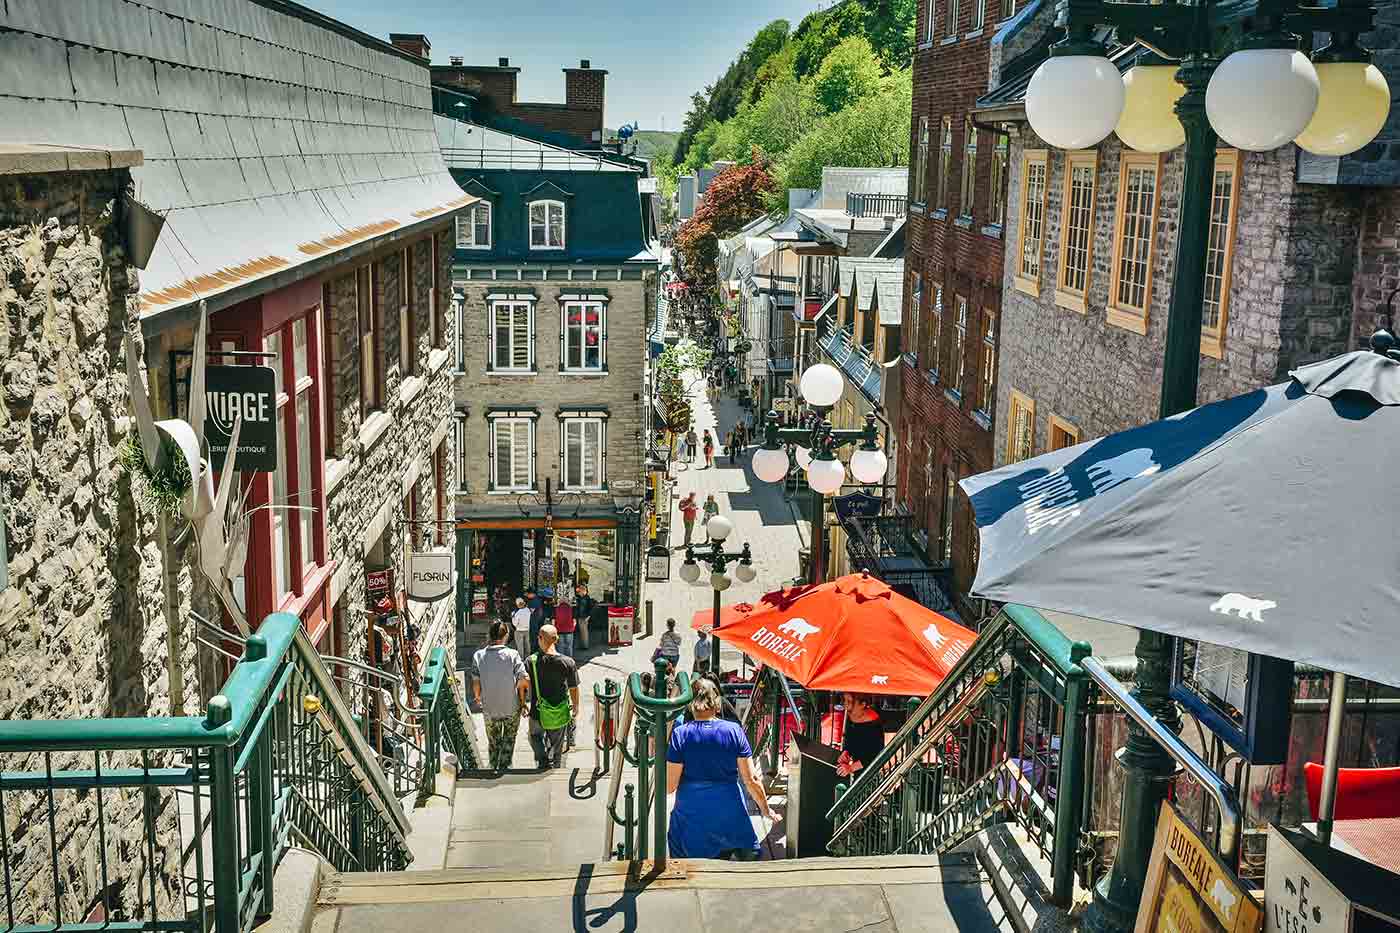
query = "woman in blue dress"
{"x": 708, "y": 757}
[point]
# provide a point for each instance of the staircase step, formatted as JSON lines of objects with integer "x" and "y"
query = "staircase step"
{"x": 893, "y": 894}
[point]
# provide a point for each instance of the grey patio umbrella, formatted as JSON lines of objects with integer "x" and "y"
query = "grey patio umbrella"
{"x": 1260, "y": 522}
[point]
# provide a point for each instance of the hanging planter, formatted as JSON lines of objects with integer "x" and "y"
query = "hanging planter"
{"x": 164, "y": 488}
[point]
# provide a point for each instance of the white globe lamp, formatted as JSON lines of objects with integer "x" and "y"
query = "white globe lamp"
{"x": 821, "y": 385}
{"x": 745, "y": 573}
{"x": 771, "y": 466}
{"x": 826, "y": 476}
{"x": 1352, "y": 105}
{"x": 868, "y": 466}
{"x": 803, "y": 456}
{"x": 690, "y": 571}
{"x": 719, "y": 528}
{"x": 1149, "y": 122}
{"x": 1259, "y": 99}
{"x": 720, "y": 581}
{"x": 1074, "y": 101}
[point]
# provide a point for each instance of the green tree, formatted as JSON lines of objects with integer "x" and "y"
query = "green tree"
{"x": 787, "y": 109}
{"x": 889, "y": 24}
{"x": 850, "y": 72}
{"x": 735, "y": 197}
{"x": 820, "y": 32}
{"x": 873, "y": 132}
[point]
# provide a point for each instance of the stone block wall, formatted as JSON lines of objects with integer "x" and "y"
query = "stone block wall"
{"x": 1377, "y": 273}
{"x": 95, "y": 620}
{"x": 548, "y": 389}
{"x": 1290, "y": 296}
{"x": 379, "y": 458}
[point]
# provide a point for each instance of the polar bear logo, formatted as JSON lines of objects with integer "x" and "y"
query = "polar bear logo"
{"x": 880, "y": 680}
{"x": 1246, "y": 607}
{"x": 799, "y": 629}
{"x": 935, "y": 637}
{"x": 1224, "y": 898}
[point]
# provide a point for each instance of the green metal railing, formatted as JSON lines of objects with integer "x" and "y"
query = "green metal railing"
{"x": 96, "y": 815}
{"x": 447, "y": 722}
{"x": 1002, "y": 738}
{"x": 653, "y": 715}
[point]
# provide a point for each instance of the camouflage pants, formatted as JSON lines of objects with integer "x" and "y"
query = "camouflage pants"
{"x": 500, "y": 740}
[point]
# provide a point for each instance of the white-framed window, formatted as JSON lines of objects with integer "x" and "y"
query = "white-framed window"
{"x": 546, "y": 225}
{"x": 581, "y": 453}
{"x": 583, "y": 341}
{"x": 281, "y": 535}
{"x": 512, "y": 454}
{"x": 930, "y": 20}
{"x": 474, "y": 227}
{"x": 512, "y": 323}
{"x": 459, "y": 304}
{"x": 408, "y": 319}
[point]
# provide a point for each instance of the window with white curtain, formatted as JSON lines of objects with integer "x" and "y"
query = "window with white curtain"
{"x": 474, "y": 227}
{"x": 460, "y": 438}
{"x": 512, "y": 336}
{"x": 546, "y": 225}
{"x": 582, "y": 453}
{"x": 512, "y": 454}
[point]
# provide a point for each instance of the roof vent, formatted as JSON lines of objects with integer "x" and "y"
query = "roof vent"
{"x": 455, "y": 59}
{"x": 585, "y": 63}
{"x": 503, "y": 62}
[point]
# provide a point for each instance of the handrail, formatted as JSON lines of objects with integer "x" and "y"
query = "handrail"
{"x": 1227, "y": 843}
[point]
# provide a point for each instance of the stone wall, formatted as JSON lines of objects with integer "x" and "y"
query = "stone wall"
{"x": 1290, "y": 296}
{"x": 549, "y": 389}
{"x": 85, "y": 630}
{"x": 1378, "y": 264}
{"x": 380, "y": 457}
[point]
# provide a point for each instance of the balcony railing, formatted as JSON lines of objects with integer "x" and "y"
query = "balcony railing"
{"x": 852, "y": 359}
{"x": 876, "y": 205}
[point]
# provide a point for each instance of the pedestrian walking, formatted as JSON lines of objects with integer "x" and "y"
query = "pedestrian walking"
{"x": 709, "y": 450}
{"x": 711, "y": 510}
{"x": 732, "y": 444}
{"x": 865, "y": 734}
{"x": 691, "y": 442}
{"x": 502, "y": 690}
{"x": 689, "y": 509}
{"x": 700, "y": 664}
{"x": 536, "y": 605}
{"x": 553, "y": 699}
{"x": 669, "y": 647}
{"x": 520, "y": 620}
{"x": 708, "y": 758}
{"x": 564, "y": 624}
{"x": 583, "y": 610}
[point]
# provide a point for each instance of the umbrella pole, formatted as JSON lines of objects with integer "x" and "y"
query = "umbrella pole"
{"x": 1327, "y": 805}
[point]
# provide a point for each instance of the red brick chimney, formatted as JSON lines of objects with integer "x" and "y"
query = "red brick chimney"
{"x": 584, "y": 86}
{"x": 411, "y": 42}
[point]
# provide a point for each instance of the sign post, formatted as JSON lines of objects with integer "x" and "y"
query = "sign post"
{"x": 429, "y": 576}
{"x": 658, "y": 564}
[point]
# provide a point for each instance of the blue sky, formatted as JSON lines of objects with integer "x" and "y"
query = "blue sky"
{"x": 657, "y": 52}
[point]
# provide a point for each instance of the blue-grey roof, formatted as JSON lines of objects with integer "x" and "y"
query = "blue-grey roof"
{"x": 274, "y": 139}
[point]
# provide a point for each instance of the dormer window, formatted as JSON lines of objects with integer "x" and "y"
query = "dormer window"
{"x": 474, "y": 227}
{"x": 546, "y": 225}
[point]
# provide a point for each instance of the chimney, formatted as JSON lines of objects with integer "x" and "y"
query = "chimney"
{"x": 584, "y": 86}
{"x": 584, "y": 64}
{"x": 503, "y": 63}
{"x": 456, "y": 60}
{"x": 411, "y": 42}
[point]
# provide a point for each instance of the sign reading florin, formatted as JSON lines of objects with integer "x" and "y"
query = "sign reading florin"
{"x": 430, "y": 575}
{"x": 250, "y": 391}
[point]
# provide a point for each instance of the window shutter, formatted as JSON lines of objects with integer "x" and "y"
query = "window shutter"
{"x": 603, "y": 453}
{"x": 603, "y": 335}
{"x": 495, "y": 456}
{"x": 564, "y": 453}
{"x": 520, "y": 336}
{"x": 563, "y": 334}
{"x": 529, "y": 434}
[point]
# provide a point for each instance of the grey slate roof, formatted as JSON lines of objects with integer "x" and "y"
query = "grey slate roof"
{"x": 276, "y": 142}
{"x": 867, "y": 277}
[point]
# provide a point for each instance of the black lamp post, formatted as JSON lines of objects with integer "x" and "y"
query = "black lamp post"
{"x": 717, "y": 559}
{"x": 1242, "y": 79}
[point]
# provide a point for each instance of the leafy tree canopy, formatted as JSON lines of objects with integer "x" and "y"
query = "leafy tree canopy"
{"x": 735, "y": 197}
{"x": 849, "y": 73}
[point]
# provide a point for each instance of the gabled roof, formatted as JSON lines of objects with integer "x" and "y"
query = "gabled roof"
{"x": 867, "y": 277}
{"x": 278, "y": 143}
{"x": 547, "y": 187}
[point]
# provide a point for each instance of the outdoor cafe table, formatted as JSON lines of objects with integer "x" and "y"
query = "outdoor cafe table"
{"x": 1375, "y": 840}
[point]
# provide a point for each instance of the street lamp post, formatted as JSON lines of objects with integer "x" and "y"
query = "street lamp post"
{"x": 1242, "y": 79}
{"x": 714, "y": 556}
{"x": 816, "y": 445}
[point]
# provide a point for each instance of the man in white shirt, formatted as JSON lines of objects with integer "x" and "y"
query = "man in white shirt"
{"x": 521, "y": 620}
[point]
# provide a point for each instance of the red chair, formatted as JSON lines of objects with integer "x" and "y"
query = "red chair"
{"x": 1362, "y": 793}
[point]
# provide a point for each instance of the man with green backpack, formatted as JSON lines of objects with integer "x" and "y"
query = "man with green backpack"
{"x": 553, "y": 699}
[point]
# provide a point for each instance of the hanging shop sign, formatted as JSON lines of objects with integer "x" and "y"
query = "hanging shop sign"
{"x": 658, "y": 564}
{"x": 857, "y": 505}
{"x": 429, "y": 575}
{"x": 1189, "y": 889}
{"x": 249, "y": 391}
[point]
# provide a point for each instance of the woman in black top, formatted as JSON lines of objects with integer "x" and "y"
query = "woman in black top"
{"x": 865, "y": 734}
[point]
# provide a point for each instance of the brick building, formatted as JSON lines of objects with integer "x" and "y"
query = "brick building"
{"x": 556, "y": 268}
{"x": 953, "y": 293}
{"x": 1300, "y": 262}
{"x": 491, "y": 95}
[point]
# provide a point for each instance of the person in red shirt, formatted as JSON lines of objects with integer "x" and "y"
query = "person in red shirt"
{"x": 564, "y": 624}
{"x": 689, "y": 509}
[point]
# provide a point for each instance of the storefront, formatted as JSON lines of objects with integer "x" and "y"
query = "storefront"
{"x": 597, "y": 556}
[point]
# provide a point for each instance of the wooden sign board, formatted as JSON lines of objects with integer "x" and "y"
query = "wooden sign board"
{"x": 1313, "y": 888}
{"x": 1189, "y": 889}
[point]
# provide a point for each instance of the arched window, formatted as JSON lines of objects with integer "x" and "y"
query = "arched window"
{"x": 546, "y": 225}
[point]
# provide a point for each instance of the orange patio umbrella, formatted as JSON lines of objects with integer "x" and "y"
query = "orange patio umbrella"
{"x": 854, "y": 633}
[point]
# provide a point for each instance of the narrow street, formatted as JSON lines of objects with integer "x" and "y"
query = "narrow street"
{"x": 525, "y": 819}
